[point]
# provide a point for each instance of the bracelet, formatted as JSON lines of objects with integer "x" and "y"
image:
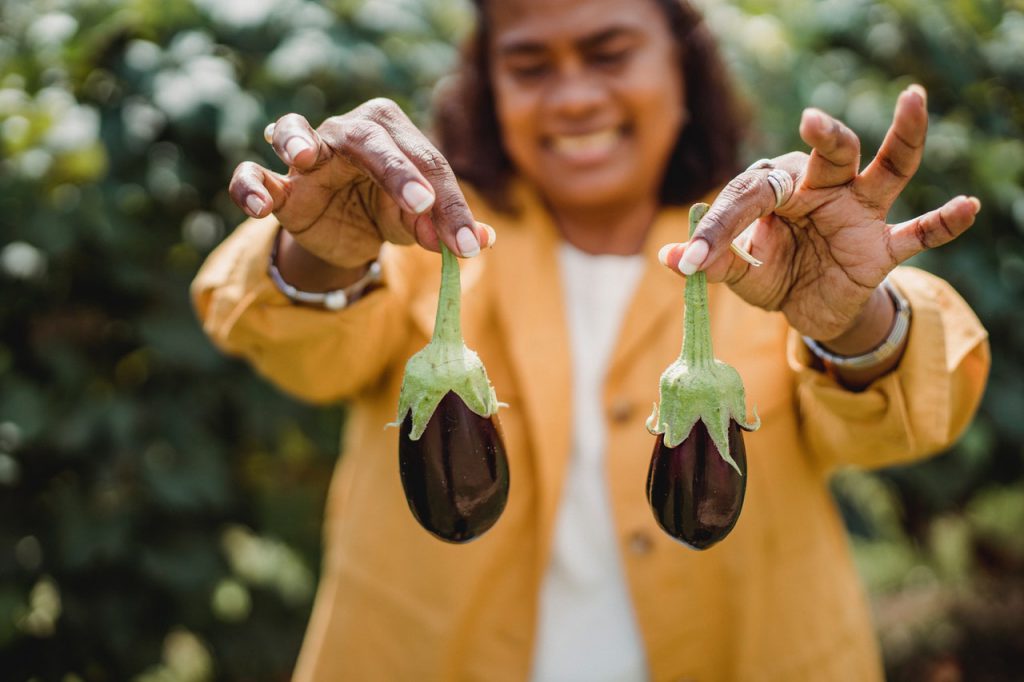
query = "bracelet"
{"x": 329, "y": 300}
{"x": 884, "y": 351}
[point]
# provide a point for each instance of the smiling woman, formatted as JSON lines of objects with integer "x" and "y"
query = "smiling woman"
{"x": 576, "y": 129}
{"x": 589, "y": 102}
{"x": 572, "y": 84}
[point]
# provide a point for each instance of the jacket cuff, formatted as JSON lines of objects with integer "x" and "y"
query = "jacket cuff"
{"x": 917, "y": 396}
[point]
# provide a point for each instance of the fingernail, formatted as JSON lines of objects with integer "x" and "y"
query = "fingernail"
{"x": 492, "y": 236}
{"x": 254, "y": 204}
{"x": 418, "y": 197}
{"x": 976, "y": 202}
{"x": 663, "y": 254}
{"x": 920, "y": 92}
{"x": 693, "y": 257}
{"x": 294, "y": 147}
{"x": 468, "y": 245}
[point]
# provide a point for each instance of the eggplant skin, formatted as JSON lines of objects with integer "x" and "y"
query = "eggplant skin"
{"x": 455, "y": 476}
{"x": 696, "y": 496}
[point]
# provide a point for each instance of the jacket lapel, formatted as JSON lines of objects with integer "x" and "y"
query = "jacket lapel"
{"x": 533, "y": 323}
{"x": 658, "y": 299}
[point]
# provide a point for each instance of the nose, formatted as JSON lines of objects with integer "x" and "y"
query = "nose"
{"x": 576, "y": 93}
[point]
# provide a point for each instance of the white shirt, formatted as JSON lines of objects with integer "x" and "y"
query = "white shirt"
{"x": 587, "y": 630}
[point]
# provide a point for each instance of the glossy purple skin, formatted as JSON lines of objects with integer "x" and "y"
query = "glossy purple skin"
{"x": 696, "y": 496}
{"x": 455, "y": 476}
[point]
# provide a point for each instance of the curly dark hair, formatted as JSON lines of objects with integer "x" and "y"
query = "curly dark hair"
{"x": 705, "y": 155}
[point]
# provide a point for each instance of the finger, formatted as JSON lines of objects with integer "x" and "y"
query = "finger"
{"x": 932, "y": 229}
{"x": 835, "y": 158}
{"x": 488, "y": 237}
{"x": 372, "y": 149}
{"x": 256, "y": 190}
{"x": 900, "y": 154}
{"x": 426, "y": 234}
{"x": 725, "y": 269}
{"x": 451, "y": 214}
{"x": 295, "y": 142}
{"x": 746, "y": 198}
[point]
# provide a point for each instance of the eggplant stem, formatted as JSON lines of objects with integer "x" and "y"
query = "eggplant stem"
{"x": 448, "y": 323}
{"x": 697, "y": 351}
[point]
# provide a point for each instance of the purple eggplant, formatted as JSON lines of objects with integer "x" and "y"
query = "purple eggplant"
{"x": 696, "y": 496}
{"x": 450, "y": 452}
{"x": 698, "y": 472}
{"x": 455, "y": 476}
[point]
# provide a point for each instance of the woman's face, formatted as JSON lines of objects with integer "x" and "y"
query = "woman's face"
{"x": 589, "y": 96}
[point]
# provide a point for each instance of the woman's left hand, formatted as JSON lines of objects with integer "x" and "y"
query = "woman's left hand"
{"x": 828, "y": 246}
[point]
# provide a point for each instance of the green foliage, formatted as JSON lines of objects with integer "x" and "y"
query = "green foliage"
{"x": 161, "y": 505}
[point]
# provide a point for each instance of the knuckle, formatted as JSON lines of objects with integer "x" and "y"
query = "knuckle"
{"x": 832, "y": 144}
{"x": 292, "y": 120}
{"x": 382, "y": 109}
{"x": 712, "y": 228}
{"x": 245, "y": 172}
{"x": 332, "y": 129}
{"x": 393, "y": 169}
{"x": 288, "y": 126}
{"x": 847, "y": 134}
{"x": 743, "y": 184}
{"x": 921, "y": 235}
{"x": 892, "y": 167}
{"x": 452, "y": 204}
{"x": 359, "y": 133}
{"x": 236, "y": 187}
{"x": 792, "y": 160}
{"x": 836, "y": 130}
{"x": 434, "y": 163}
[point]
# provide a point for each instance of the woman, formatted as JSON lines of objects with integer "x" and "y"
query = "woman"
{"x": 584, "y": 125}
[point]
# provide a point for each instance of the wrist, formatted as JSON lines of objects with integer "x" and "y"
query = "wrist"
{"x": 869, "y": 329}
{"x": 857, "y": 370}
{"x": 307, "y": 271}
{"x": 335, "y": 288}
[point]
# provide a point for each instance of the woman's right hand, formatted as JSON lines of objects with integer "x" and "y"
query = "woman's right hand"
{"x": 358, "y": 180}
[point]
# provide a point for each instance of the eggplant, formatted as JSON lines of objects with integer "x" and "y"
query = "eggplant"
{"x": 696, "y": 496}
{"x": 697, "y": 477}
{"x": 455, "y": 476}
{"x": 451, "y": 456}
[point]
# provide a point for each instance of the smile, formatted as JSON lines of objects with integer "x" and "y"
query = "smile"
{"x": 587, "y": 148}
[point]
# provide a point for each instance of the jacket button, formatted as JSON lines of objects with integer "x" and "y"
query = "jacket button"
{"x": 640, "y": 542}
{"x": 621, "y": 410}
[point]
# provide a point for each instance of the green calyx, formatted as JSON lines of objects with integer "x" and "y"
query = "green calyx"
{"x": 697, "y": 386}
{"x": 445, "y": 364}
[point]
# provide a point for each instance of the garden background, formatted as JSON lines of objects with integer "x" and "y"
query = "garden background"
{"x": 160, "y": 506}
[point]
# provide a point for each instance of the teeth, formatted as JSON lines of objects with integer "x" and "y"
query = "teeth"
{"x": 591, "y": 142}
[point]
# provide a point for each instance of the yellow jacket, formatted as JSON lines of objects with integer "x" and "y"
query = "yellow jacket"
{"x": 779, "y": 599}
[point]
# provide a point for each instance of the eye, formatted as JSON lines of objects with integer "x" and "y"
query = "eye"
{"x": 611, "y": 58}
{"x": 529, "y": 70}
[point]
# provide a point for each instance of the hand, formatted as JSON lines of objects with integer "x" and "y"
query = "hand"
{"x": 359, "y": 179}
{"x": 827, "y": 247}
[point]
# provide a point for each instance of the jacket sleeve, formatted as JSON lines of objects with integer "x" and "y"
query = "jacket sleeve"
{"x": 316, "y": 355}
{"x": 920, "y": 408}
